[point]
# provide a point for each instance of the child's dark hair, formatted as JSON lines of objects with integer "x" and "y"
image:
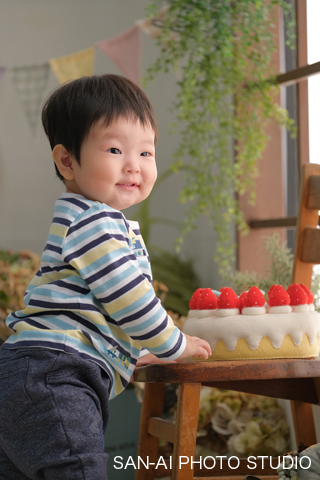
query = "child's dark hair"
{"x": 71, "y": 111}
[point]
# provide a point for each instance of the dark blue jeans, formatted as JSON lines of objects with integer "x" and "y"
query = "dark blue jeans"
{"x": 53, "y": 414}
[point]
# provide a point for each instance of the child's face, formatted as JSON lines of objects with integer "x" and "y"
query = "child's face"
{"x": 117, "y": 164}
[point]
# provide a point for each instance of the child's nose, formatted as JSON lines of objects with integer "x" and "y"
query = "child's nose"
{"x": 132, "y": 166}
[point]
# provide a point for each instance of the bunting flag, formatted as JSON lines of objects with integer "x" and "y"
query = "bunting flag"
{"x": 125, "y": 51}
{"x": 73, "y": 66}
{"x": 153, "y": 26}
{"x": 2, "y": 70}
{"x": 30, "y": 83}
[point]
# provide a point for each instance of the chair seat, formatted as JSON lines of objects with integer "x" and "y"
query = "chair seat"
{"x": 292, "y": 379}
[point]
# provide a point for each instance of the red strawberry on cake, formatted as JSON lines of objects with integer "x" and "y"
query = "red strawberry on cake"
{"x": 202, "y": 302}
{"x": 241, "y": 300}
{"x": 298, "y": 298}
{"x": 193, "y": 304}
{"x": 207, "y": 300}
{"x": 271, "y": 288}
{"x": 278, "y": 300}
{"x": 228, "y": 303}
{"x": 254, "y": 302}
{"x": 310, "y": 297}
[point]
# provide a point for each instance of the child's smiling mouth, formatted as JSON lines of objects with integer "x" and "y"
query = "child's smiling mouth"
{"x": 128, "y": 185}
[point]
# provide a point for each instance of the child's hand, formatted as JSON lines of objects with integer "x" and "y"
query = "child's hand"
{"x": 147, "y": 360}
{"x": 196, "y": 347}
{"x": 150, "y": 358}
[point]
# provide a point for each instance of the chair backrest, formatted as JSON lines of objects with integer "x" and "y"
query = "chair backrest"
{"x": 306, "y": 254}
{"x": 307, "y": 243}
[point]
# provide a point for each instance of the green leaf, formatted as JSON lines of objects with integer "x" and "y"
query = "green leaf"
{"x": 4, "y": 299}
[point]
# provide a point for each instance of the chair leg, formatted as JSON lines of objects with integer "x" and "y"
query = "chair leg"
{"x": 186, "y": 430}
{"x": 303, "y": 421}
{"x": 152, "y": 406}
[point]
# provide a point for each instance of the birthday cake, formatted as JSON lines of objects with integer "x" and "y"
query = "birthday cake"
{"x": 281, "y": 324}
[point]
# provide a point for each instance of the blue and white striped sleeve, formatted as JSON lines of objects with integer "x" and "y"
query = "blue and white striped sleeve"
{"x": 97, "y": 246}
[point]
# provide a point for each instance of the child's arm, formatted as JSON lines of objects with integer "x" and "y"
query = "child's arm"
{"x": 195, "y": 347}
{"x": 97, "y": 247}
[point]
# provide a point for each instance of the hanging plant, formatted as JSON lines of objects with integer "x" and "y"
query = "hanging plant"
{"x": 221, "y": 50}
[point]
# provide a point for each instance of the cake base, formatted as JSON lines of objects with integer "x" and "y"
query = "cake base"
{"x": 264, "y": 351}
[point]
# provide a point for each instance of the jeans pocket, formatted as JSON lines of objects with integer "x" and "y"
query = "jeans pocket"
{"x": 13, "y": 396}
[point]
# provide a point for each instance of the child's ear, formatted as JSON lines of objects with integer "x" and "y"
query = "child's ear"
{"x": 63, "y": 161}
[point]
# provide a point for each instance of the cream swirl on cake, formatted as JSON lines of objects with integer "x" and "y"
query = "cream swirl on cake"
{"x": 284, "y": 325}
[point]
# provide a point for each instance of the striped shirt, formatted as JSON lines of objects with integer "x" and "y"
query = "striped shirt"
{"x": 93, "y": 294}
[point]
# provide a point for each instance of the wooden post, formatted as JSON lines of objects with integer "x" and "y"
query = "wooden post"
{"x": 153, "y": 399}
{"x": 186, "y": 430}
{"x": 302, "y": 415}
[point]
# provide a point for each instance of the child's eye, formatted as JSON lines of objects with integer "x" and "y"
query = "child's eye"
{"x": 145, "y": 154}
{"x": 114, "y": 150}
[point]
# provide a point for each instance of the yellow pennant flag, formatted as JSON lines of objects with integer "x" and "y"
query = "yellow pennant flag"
{"x": 73, "y": 66}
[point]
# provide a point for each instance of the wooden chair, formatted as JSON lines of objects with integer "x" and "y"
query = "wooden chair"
{"x": 293, "y": 379}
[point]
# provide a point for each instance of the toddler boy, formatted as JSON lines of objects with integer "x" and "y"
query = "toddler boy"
{"x": 91, "y": 313}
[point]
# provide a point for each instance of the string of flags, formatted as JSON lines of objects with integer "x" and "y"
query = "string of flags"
{"x": 124, "y": 50}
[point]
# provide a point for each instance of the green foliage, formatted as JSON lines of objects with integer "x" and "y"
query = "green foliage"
{"x": 279, "y": 272}
{"x": 10, "y": 257}
{"x": 315, "y": 287}
{"x": 222, "y": 50}
{"x": 4, "y": 299}
{"x": 143, "y": 214}
{"x": 178, "y": 275}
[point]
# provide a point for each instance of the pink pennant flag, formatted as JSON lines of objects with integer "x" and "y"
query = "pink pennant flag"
{"x": 125, "y": 51}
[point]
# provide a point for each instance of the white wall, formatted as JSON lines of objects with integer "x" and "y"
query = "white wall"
{"x": 32, "y": 32}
